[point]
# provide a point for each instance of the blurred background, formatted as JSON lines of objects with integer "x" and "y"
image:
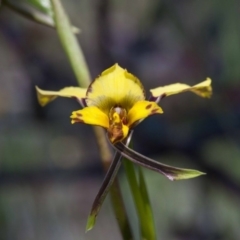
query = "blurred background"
{"x": 50, "y": 170}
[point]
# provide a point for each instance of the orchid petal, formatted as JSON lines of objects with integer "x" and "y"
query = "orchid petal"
{"x": 141, "y": 110}
{"x": 202, "y": 89}
{"x": 106, "y": 185}
{"x": 44, "y": 97}
{"x": 104, "y": 189}
{"x": 115, "y": 86}
{"x": 172, "y": 173}
{"x": 90, "y": 115}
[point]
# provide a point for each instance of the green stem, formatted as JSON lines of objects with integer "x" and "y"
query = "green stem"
{"x": 70, "y": 44}
{"x": 120, "y": 212}
{"x": 146, "y": 202}
{"x": 144, "y": 215}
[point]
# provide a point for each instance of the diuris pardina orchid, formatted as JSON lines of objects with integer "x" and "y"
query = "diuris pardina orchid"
{"x": 116, "y": 101}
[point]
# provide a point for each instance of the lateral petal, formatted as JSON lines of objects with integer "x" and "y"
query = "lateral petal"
{"x": 90, "y": 115}
{"x": 141, "y": 110}
{"x": 202, "y": 89}
{"x": 44, "y": 96}
{"x": 172, "y": 173}
{"x": 104, "y": 189}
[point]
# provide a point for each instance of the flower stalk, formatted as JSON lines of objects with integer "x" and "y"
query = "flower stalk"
{"x": 141, "y": 201}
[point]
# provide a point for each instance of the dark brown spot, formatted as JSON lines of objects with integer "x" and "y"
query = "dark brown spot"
{"x": 148, "y": 106}
{"x": 78, "y": 120}
{"x": 89, "y": 89}
{"x": 154, "y": 111}
{"x": 117, "y": 105}
{"x": 83, "y": 100}
{"x": 124, "y": 121}
{"x": 163, "y": 95}
{"x": 79, "y": 114}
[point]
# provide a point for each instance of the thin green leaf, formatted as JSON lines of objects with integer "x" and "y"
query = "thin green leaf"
{"x": 43, "y": 5}
{"x": 172, "y": 173}
{"x": 35, "y": 10}
{"x": 141, "y": 199}
{"x": 146, "y": 202}
{"x": 120, "y": 211}
{"x": 147, "y": 229}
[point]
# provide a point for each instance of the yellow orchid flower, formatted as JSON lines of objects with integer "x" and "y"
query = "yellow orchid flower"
{"x": 116, "y": 100}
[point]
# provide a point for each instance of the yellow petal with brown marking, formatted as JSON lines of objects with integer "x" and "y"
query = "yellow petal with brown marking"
{"x": 90, "y": 115}
{"x": 44, "y": 97}
{"x": 203, "y": 89}
{"x": 141, "y": 110}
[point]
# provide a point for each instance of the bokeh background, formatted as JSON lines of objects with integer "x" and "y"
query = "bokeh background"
{"x": 50, "y": 170}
